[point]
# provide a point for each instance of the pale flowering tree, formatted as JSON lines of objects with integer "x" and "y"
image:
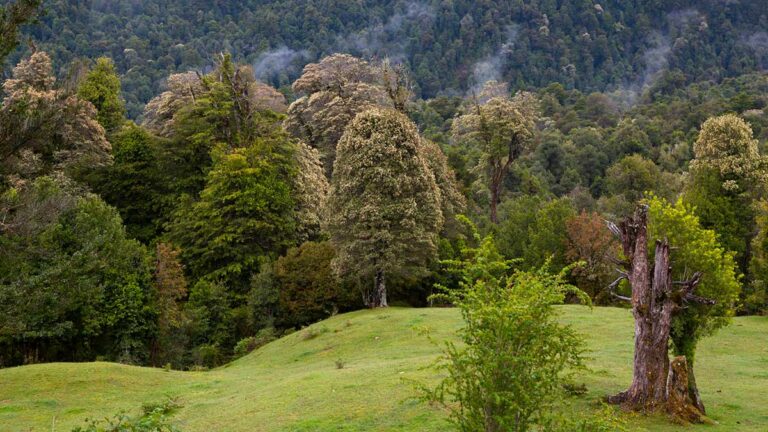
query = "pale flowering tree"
{"x": 46, "y": 128}
{"x": 502, "y": 129}
{"x": 384, "y": 205}
{"x": 334, "y": 91}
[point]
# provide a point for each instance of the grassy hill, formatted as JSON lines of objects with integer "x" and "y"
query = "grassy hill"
{"x": 293, "y": 384}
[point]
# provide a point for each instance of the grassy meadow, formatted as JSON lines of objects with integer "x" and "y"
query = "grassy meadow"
{"x": 294, "y": 384}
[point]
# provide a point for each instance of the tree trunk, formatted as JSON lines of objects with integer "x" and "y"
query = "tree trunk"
{"x": 655, "y": 386}
{"x": 693, "y": 390}
{"x": 494, "y": 204}
{"x": 378, "y": 296}
{"x": 679, "y": 403}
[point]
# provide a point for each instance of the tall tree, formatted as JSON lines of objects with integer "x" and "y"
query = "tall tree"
{"x": 245, "y": 213}
{"x": 334, "y": 91}
{"x": 384, "y": 206}
{"x": 170, "y": 288}
{"x": 101, "y": 87}
{"x": 44, "y": 128}
{"x": 728, "y": 174}
{"x": 502, "y": 128}
{"x": 72, "y": 284}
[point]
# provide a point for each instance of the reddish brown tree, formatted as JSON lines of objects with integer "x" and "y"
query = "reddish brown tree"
{"x": 588, "y": 241}
{"x": 655, "y": 298}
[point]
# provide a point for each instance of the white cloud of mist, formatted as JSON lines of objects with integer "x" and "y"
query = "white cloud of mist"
{"x": 384, "y": 39}
{"x": 491, "y": 67}
{"x": 758, "y": 43}
{"x": 272, "y": 63}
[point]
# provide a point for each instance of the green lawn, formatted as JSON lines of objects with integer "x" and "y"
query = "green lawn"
{"x": 293, "y": 384}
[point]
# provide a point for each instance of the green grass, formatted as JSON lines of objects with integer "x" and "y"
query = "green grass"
{"x": 293, "y": 384}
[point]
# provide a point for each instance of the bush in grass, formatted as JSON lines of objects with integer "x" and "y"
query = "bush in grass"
{"x": 507, "y": 373}
{"x": 155, "y": 417}
{"x": 263, "y": 337}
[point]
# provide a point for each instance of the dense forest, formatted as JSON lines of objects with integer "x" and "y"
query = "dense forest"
{"x": 450, "y": 46}
{"x": 182, "y": 185}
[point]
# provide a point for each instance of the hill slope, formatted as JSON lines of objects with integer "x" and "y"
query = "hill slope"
{"x": 590, "y": 45}
{"x": 293, "y": 383}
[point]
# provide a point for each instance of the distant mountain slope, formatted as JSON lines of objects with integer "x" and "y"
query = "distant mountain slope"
{"x": 449, "y": 44}
{"x": 294, "y": 384}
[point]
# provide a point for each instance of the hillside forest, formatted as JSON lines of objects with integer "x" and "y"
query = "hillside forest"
{"x": 184, "y": 182}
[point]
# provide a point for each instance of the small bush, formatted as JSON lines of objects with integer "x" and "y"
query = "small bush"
{"x": 313, "y": 332}
{"x": 155, "y": 417}
{"x": 249, "y": 344}
{"x": 207, "y": 356}
{"x": 340, "y": 364}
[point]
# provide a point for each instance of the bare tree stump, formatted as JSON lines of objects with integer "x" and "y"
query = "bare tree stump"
{"x": 656, "y": 386}
{"x": 679, "y": 404}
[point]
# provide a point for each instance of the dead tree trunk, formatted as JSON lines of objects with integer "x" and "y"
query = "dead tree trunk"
{"x": 655, "y": 298}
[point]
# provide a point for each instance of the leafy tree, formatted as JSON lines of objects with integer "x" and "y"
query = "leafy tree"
{"x": 44, "y": 128}
{"x": 384, "y": 205}
{"x": 244, "y": 214}
{"x": 514, "y": 357}
{"x": 627, "y": 180}
{"x": 134, "y": 183}
{"x": 73, "y": 286}
{"x": 170, "y": 289}
{"x": 727, "y": 175}
{"x": 309, "y": 291}
{"x": 335, "y": 90}
{"x": 502, "y": 129}
{"x": 101, "y": 87}
{"x": 695, "y": 248}
{"x": 590, "y": 242}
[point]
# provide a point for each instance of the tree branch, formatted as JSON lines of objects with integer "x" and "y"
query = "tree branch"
{"x": 614, "y": 284}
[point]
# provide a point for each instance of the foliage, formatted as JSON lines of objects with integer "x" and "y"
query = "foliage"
{"x": 12, "y": 16}
{"x": 384, "y": 205}
{"x": 73, "y": 285}
{"x": 134, "y": 183}
{"x": 728, "y": 175}
{"x": 611, "y": 47}
{"x": 756, "y": 292}
{"x": 507, "y": 374}
{"x": 590, "y": 242}
{"x": 334, "y": 90}
{"x": 170, "y": 289}
{"x": 101, "y": 87}
{"x": 502, "y": 129}
{"x": 44, "y": 128}
{"x": 695, "y": 249}
{"x": 244, "y": 214}
{"x": 534, "y": 229}
{"x": 309, "y": 291}
{"x": 249, "y": 344}
{"x": 154, "y": 418}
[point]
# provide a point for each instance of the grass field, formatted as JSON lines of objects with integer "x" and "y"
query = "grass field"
{"x": 293, "y": 384}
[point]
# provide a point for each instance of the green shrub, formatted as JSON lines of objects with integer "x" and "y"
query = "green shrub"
{"x": 155, "y": 417}
{"x": 263, "y": 337}
{"x": 507, "y": 373}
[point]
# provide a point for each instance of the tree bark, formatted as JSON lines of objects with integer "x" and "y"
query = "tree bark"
{"x": 654, "y": 300}
{"x": 494, "y": 204}
{"x": 378, "y": 296}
